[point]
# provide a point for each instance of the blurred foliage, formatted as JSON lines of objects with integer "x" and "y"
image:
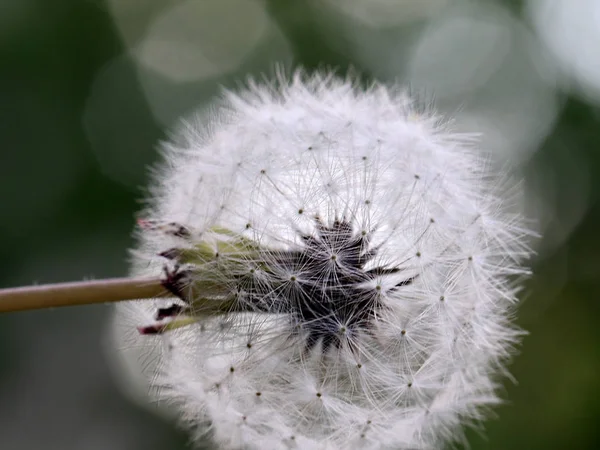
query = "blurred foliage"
{"x": 80, "y": 119}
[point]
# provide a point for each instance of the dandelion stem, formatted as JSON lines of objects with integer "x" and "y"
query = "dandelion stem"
{"x": 79, "y": 293}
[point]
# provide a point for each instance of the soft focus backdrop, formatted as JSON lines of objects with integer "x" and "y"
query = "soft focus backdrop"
{"x": 88, "y": 88}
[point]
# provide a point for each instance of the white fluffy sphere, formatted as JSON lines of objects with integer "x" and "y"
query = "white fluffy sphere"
{"x": 342, "y": 267}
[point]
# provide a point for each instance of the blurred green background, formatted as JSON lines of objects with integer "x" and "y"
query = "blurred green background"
{"x": 88, "y": 88}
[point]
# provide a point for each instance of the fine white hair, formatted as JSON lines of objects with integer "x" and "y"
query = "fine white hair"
{"x": 399, "y": 350}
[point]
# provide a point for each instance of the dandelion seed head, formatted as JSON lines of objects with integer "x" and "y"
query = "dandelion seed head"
{"x": 366, "y": 256}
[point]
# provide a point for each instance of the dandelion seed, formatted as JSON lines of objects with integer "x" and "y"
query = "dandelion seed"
{"x": 363, "y": 275}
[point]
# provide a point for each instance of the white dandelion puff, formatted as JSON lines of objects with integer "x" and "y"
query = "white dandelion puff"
{"x": 343, "y": 272}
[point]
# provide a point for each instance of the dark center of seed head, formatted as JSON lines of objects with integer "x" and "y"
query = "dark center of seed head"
{"x": 329, "y": 297}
